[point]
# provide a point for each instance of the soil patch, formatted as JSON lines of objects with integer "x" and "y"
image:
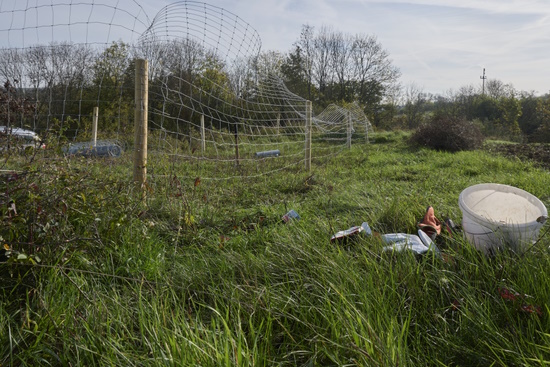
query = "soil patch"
{"x": 537, "y": 153}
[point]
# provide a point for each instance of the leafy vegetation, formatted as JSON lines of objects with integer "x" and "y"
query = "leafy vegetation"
{"x": 450, "y": 134}
{"x": 502, "y": 112}
{"x": 204, "y": 272}
{"x": 61, "y": 83}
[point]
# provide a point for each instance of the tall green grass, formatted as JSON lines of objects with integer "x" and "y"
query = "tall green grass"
{"x": 209, "y": 275}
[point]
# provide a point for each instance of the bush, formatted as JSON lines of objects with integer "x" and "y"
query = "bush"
{"x": 449, "y": 134}
{"x": 541, "y": 135}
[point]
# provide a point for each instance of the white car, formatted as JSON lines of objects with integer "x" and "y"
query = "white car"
{"x": 19, "y": 139}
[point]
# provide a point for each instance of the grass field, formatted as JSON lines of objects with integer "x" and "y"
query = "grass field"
{"x": 205, "y": 273}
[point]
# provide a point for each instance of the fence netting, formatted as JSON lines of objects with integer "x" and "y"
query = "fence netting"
{"x": 218, "y": 106}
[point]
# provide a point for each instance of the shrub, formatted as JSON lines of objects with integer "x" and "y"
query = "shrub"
{"x": 542, "y": 134}
{"x": 449, "y": 134}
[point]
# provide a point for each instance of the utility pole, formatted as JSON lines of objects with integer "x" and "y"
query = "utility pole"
{"x": 483, "y": 85}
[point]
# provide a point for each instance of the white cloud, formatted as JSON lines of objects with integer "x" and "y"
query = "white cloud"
{"x": 440, "y": 44}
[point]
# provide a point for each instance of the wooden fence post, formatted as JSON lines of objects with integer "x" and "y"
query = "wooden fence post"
{"x": 140, "y": 123}
{"x": 349, "y": 130}
{"x": 94, "y": 126}
{"x": 237, "y": 158}
{"x": 203, "y": 141}
{"x": 308, "y": 135}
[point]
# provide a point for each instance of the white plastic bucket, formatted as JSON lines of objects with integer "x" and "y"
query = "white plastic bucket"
{"x": 495, "y": 215}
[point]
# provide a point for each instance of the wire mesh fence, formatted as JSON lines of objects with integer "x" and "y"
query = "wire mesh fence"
{"x": 212, "y": 100}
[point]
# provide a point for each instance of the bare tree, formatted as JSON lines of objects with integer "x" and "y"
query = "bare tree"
{"x": 35, "y": 59}
{"x": 59, "y": 64}
{"x": 269, "y": 62}
{"x": 373, "y": 69}
{"x": 495, "y": 88}
{"x": 54, "y": 75}
{"x": 465, "y": 100}
{"x": 321, "y": 58}
{"x": 307, "y": 49}
{"x": 340, "y": 55}
{"x": 415, "y": 99}
{"x": 12, "y": 65}
{"x": 243, "y": 76}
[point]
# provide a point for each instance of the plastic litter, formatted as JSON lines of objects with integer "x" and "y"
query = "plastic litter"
{"x": 292, "y": 214}
{"x": 419, "y": 244}
{"x": 397, "y": 242}
{"x": 352, "y": 233}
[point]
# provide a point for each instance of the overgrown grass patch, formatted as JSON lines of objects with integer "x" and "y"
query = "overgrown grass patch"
{"x": 208, "y": 274}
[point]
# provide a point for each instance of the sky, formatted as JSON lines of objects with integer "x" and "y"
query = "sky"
{"x": 438, "y": 45}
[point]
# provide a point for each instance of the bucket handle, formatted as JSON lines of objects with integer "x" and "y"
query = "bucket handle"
{"x": 542, "y": 219}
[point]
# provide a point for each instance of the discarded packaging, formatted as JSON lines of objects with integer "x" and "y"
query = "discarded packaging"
{"x": 290, "y": 215}
{"x": 352, "y": 233}
{"x": 399, "y": 242}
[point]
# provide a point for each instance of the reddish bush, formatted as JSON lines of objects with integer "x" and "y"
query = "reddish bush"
{"x": 449, "y": 134}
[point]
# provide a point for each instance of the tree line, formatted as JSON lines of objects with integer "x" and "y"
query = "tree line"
{"x": 65, "y": 81}
{"x": 498, "y": 109}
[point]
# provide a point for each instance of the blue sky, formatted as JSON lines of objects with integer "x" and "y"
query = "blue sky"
{"x": 439, "y": 45}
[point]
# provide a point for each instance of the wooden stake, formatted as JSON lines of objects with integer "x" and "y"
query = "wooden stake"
{"x": 349, "y": 129}
{"x": 94, "y": 126}
{"x": 308, "y": 136}
{"x": 140, "y": 123}
{"x": 203, "y": 141}
{"x": 237, "y": 144}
